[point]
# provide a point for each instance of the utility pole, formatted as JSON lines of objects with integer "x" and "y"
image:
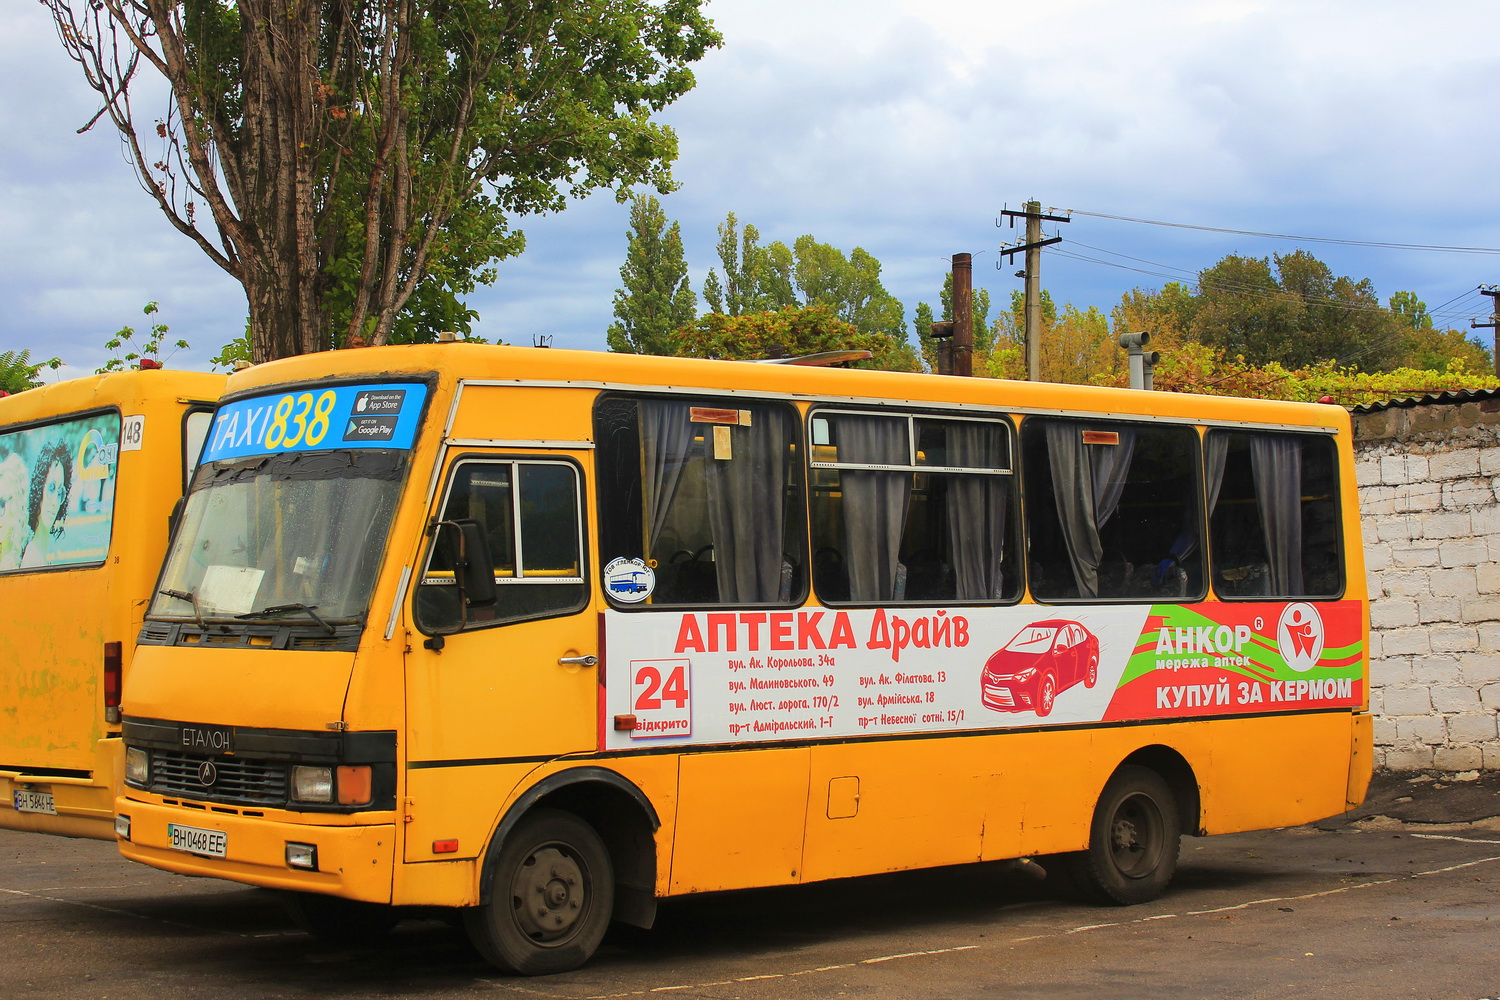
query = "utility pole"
{"x": 956, "y": 352}
{"x": 963, "y": 314}
{"x": 1032, "y": 213}
{"x": 1493, "y": 291}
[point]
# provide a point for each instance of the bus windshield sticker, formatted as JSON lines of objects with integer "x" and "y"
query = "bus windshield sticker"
{"x": 57, "y": 492}
{"x": 824, "y": 673}
{"x": 230, "y": 589}
{"x": 384, "y": 415}
{"x": 629, "y": 581}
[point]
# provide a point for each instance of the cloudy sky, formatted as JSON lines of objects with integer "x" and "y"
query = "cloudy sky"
{"x": 904, "y": 127}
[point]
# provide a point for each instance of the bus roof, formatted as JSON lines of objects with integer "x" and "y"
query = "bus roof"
{"x": 482, "y": 362}
{"x": 125, "y": 389}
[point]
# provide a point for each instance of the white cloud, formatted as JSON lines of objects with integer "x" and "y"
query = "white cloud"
{"x": 902, "y": 126}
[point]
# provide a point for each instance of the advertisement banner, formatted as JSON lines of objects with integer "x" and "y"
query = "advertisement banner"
{"x": 57, "y": 493}
{"x": 704, "y": 677}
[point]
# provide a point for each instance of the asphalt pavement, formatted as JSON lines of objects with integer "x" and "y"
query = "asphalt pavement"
{"x": 1397, "y": 899}
{"x": 1427, "y": 797}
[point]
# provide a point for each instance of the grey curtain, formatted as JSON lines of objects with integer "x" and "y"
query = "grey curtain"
{"x": 666, "y": 444}
{"x": 1088, "y": 481}
{"x": 1215, "y": 457}
{"x": 1277, "y": 463}
{"x": 976, "y": 512}
{"x": 875, "y": 502}
{"x": 747, "y": 510}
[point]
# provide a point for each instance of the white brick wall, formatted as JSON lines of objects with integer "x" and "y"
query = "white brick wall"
{"x": 1429, "y": 492}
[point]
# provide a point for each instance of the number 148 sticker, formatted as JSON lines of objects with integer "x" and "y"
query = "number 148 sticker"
{"x": 661, "y": 698}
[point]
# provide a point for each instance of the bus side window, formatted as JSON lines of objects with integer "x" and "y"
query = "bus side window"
{"x": 1273, "y": 514}
{"x": 529, "y": 514}
{"x": 707, "y": 493}
{"x": 1112, "y": 510}
{"x": 911, "y": 508}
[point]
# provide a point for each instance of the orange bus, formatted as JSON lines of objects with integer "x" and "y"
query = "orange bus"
{"x": 546, "y": 636}
{"x": 90, "y": 470}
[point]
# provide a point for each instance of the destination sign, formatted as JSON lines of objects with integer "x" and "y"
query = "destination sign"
{"x": 384, "y": 415}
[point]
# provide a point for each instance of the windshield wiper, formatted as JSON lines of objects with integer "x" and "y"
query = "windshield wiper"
{"x": 308, "y": 609}
{"x": 191, "y": 598}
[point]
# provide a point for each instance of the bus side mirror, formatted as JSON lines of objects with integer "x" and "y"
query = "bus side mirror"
{"x": 473, "y": 569}
{"x": 466, "y": 550}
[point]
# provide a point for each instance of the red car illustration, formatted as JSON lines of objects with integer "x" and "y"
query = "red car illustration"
{"x": 1043, "y": 660}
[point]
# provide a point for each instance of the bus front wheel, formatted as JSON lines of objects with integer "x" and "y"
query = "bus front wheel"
{"x": 551, "y": 897}
{"x": 1133, "y": 840}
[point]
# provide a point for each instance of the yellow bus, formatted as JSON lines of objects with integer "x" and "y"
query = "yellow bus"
{"x": 547, "y": 636}
{"x": 90, "y": 471}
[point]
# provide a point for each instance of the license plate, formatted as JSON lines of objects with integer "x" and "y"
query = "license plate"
{"x": 209, "y": 843}
{"x": 31, "y": 800}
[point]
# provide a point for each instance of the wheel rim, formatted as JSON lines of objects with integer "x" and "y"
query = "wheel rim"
{"x": 1049, "y": 694}
{"x": 549, "y": 894}
{"x": 1092, "y": 675}
{"x": 1137, "y": 835}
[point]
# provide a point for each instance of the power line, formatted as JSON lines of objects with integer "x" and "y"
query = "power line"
{"x": 1284, "y": 236}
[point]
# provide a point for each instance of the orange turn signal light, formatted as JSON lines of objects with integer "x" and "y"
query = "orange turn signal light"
{"x": 354, "y": 785}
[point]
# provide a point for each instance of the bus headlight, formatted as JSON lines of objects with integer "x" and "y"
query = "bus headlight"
{"x": 137, "y": 766}
{"x": 312, "y": 784}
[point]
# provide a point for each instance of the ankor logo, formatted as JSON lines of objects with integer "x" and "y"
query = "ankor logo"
{"x": 1299, "y": 636}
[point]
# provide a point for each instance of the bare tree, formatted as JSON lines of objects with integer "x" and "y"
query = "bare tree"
{"x": 329, "y": 153}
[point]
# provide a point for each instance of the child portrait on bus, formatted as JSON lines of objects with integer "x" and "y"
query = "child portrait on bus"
{"x": 14, "y": 529}
{"x": 47, "y": 502}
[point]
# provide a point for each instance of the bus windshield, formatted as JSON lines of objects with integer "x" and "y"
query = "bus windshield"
{"x": 290, "y": 536}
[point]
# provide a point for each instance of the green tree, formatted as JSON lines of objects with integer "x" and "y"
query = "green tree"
{"x": 329, "y": 154}
{"x": 773, "y": 277}
{"x": 1297, "y": 314}
{"x": 655, "y": 298}
{"x": 927, "y": 345}
{"x": 1166, "y": 313}
{"x": 850, "y": 286}
{"x": 756, "y": 278}
{"x": 1410, "y": 310}
{"x": 795, "y": 331}
{"x": 17, "y": 373}
{"x": 1426, "y": 348}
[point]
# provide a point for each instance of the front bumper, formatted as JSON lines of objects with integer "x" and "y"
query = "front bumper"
{"x": 355, "y": 860}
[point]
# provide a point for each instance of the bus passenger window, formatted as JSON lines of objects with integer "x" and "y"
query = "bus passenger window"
{"x": 1273, "y": 514}
{"x": 909, "y": 508}
{"x": 1112, "y": 510}
{"x": 529, "y": 514}
{"x": 706, "y": 492}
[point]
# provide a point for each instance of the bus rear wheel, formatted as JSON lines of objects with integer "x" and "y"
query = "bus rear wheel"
{"x": 1134, "y": 840}
{"x": 550, "y": 900}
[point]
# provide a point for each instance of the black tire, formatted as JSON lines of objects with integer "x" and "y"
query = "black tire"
{"x": 551, "y": 898}
{"x": 1134, "y": 840}
{"x": 345, "y": 923}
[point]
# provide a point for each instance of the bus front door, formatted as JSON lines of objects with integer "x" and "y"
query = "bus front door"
{"x": 497, "y": 684}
